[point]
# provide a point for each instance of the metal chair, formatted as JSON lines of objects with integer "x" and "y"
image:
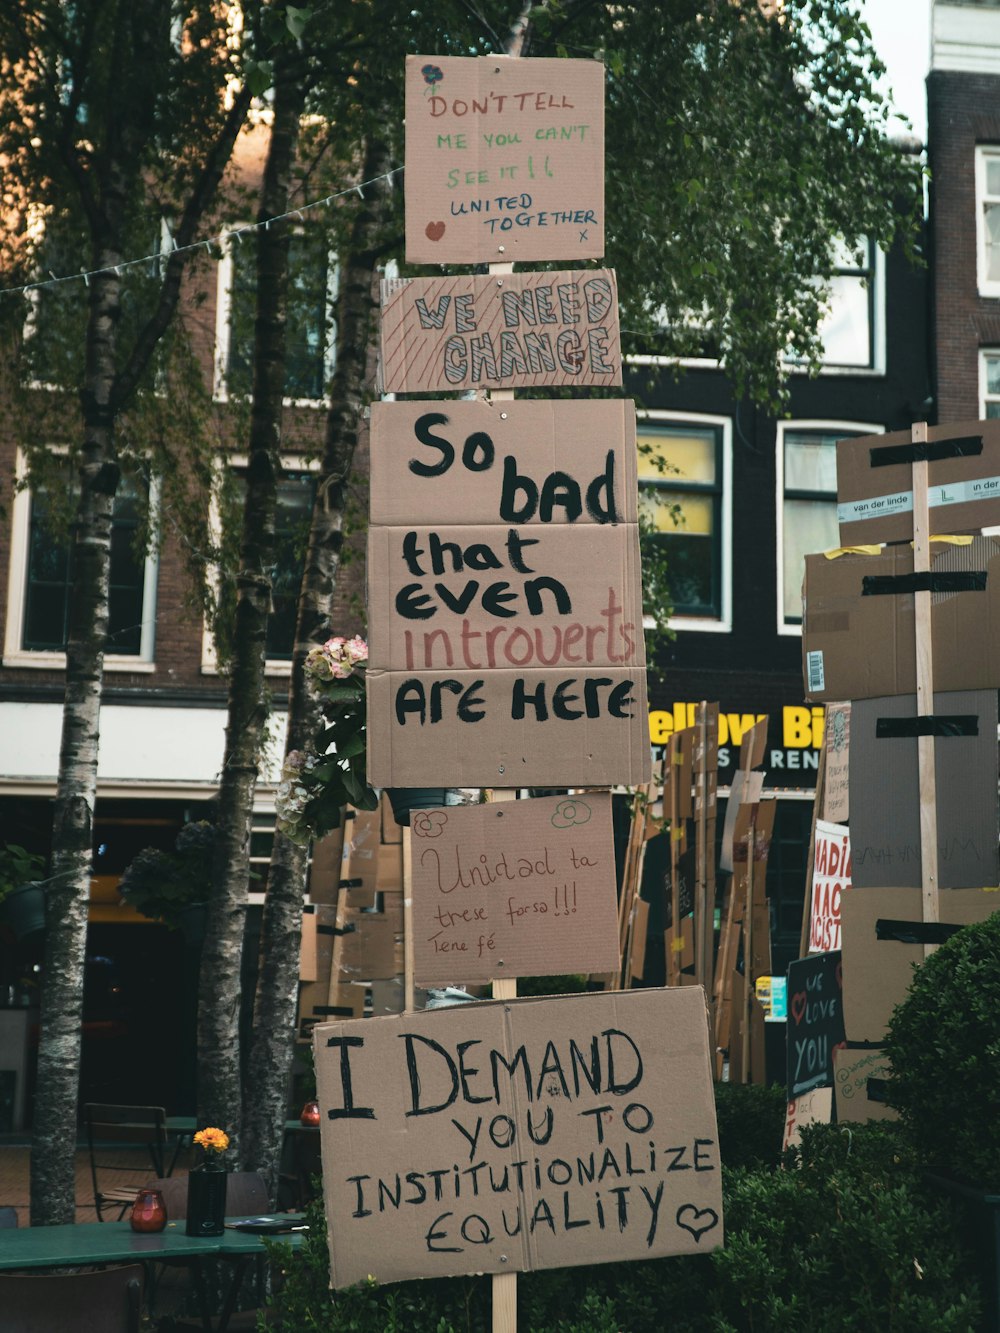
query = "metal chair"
{"x": 106, "y": 1301}
{"x": 111, "y": 1127}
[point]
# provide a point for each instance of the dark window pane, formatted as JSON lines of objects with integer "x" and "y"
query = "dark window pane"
{"x": 291, "y": 533}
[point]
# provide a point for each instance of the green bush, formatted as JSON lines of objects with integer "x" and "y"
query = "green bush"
{"x": 944, "y": 1044}
{"x": 751, "y": 1123}
{"x": 846, "y": 1238}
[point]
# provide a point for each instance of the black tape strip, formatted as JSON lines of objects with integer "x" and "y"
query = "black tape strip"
{"x": 337, "y": 1010}
{"x": 327, "y": 930}
{"x": 877, "y": 1089}
{"x": 341, "y": 930}
{"x": 931, "y": 724}
{"x": 964, "y": 446}
{"x": 865, "y": 1045}
{"x": 954, "y": 580}
{"x": 914, "y": 932}
{"x": 352, "y": 883}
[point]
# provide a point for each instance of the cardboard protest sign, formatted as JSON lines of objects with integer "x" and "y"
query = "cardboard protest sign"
{"x": 836, "y": 786}
{"x": 518, "y": 331}
{"x": 504, "y": 159}
{"x": 812, "y": 1108}
{"x": 883, "y": 940}
{"x": 504, "y": 596}
{"x": 831, "y": 877}
{"x": 815, "y": 1021}
{"x": 885, "y": 801}
{"x": 515, "y": 889}
{"x": 859, "y": 1085}
{"x": 859, "y": 632}
{"x": 517, "y": 1135}
{"x": 875, "y": 482}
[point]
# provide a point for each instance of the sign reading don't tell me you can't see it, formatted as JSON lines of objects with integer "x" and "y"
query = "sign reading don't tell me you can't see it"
{"x": 504, "y": 159}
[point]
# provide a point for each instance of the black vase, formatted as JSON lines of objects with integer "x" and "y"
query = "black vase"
{"x": 206, "y": 1206}
{"x": 405, "y": 799}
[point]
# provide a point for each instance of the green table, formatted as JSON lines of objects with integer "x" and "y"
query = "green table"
{"x": 81, "y": 1244}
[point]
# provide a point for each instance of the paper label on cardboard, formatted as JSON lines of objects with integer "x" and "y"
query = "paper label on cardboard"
{"x": 836, "y": 785}
{"x": 521, "y": 330}
{"x": 521, "y": 1135}
{"x": 504, "y": 159}
{"x": 812, "y": 1108}
{"x": 814, "y": 671}
{"x": 514, "y": 889}
{"x": 831, "y": 878}
{"x": 877, "y": 507}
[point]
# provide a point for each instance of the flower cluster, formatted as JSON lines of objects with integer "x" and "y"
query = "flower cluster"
{"x": 213, "y": 1141}
{"x": 315, "y": 785}
{"x": 337, "y": 659}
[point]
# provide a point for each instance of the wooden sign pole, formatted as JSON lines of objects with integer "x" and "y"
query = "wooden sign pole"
{"x": 748, "y": 978}
{"x": 701, "y": 907}
{"x": 677, "y": 943}
{"x": 817, "y": 807}
{"x": 927, "y": 776}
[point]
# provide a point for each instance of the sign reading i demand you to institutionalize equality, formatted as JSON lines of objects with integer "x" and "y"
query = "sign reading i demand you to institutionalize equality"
{"x": 504, "y": 159}
{"x": 504, "y": 592}
{"x": 516, "y": 1135}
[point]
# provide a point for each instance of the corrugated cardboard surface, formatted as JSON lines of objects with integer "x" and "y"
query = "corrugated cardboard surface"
{"x": 369, "y": 943}
{"x": 459, "y": 333}
{"x": 877, "y": 972}
{"x": 858, "y": 646}
{"x": 515, "y": 889}
{"x": 875, "y": 504}
{"x": 497, "y": 751}
{"x": 504, "y": 159}
{"x": 324, "y": 871}
{"x": 547, "y": 606}
{"x": 885, "y": 809}
{"x": 851, "y": 1073}
{"x": 424, "y": 1099}
{"x": 573, "y": 437}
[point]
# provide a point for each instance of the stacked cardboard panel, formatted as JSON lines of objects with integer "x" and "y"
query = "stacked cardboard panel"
{"x": 866, "y": 638}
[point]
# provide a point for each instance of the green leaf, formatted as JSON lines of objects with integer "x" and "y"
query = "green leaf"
{"x": 296, "y": 20}
{"x": 259, "y": 76}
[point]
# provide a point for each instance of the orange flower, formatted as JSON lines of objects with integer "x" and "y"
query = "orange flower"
{"x": 212, "y": 1140}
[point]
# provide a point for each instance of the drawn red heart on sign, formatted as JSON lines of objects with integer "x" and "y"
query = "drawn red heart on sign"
{"x": 799, "y": 1006}
{"x": 434, "y": 231}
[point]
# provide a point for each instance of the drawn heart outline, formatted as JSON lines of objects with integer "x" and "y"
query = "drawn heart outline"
{"x": 798, "y": 1005}
{"x": 434, "y": 231}
{"x": 696, "y": 1214}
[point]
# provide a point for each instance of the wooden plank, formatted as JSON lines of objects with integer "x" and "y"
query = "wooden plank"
{"x": 927, "y": 777}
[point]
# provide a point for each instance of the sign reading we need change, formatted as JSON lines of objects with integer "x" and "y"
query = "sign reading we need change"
{"x": 504, "y": 596}
{"x": 527, "y": 1134}
{"x": 504, "y": 159}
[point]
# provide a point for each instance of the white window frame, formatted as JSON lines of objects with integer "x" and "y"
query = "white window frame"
{"x": 985, "y": 397}
{"x": 223, "y": 324}
{"x": 828, "y": 427}
{"x": 984, "y": 154}
{"x": 291, "y": 462}
{"x": 706, "y": 624}
{"x": 20, "y": 532}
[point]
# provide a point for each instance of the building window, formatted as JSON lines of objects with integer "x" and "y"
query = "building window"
{"x": 41, "y": 580}
{"x": 807, "y": 489}
{"x": 989, "y": 382}
{"x": 848, "y": 328}
{"x": 296, "y": 490}
{"x": 683, "y": 486}
{"x": 988, "y": 218}
{"x": 309, "y": 337}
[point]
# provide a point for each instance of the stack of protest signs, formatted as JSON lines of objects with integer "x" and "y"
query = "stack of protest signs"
{"x": 902, "y": 642}
{"x": 506, "y": 652}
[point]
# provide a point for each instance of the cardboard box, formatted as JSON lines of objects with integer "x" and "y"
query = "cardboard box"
{"x": 885, "y": 806}
{"x": 878, "y": 972}
{"x": 391, "y": 831}
{"x": 324, "y": 870}
{"x": 859, "y": 641}
{"x": 524, "y": 330}
{"x": 480, "y": 1093}
{"x": 369, "y": 943}
{"x": 514, "y": 889}
{"x": 481, "y": 598}
{"x": 504, "y": 159}
{"x": 875, "y": 503}
{"x": 553, "y": 742}
{"x": 590, "y": 440}
{"x": 859, "y": 1079}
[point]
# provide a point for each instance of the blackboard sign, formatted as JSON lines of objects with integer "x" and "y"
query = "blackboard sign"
{"x": 815, "y": 1021}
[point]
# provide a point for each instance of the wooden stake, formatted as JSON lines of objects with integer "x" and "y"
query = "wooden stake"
{"x": 748, "y": 978}
{"x": 927, "y": 776}
{"x": 817, "y": 807}
{"x": 504, "y": 1284}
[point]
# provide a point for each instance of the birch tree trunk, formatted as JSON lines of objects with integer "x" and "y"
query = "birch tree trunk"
{"x": 219, "y": 1054}
{"x": 276, "y": 1001}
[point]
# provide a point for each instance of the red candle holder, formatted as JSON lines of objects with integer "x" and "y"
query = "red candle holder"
{"x": 310, "y": 1113}
{"x": 149, "y": 1212}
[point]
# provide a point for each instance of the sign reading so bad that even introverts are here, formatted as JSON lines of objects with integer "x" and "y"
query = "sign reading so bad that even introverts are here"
{"x": 504, "y": 159}
{"x": 504, "y": 596}
{"x": 514, "y": 889}
{"x": 517, "y": 1135}
{"x": 509, "y": 331}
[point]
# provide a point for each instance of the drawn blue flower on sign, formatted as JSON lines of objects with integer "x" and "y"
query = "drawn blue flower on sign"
{"x": 568, "y": 813}
{"x": 432, "y": 74}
